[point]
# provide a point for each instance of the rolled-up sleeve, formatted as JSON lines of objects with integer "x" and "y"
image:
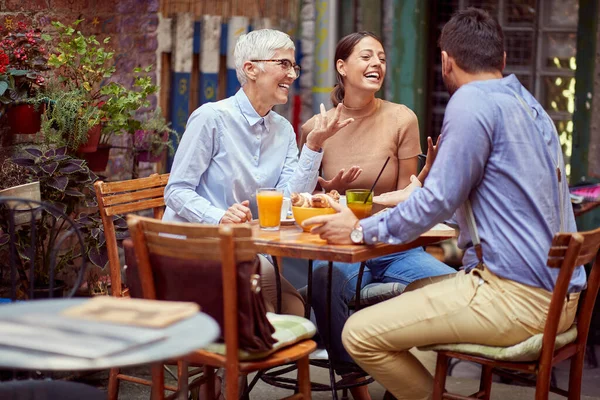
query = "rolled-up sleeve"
{"x": 196, "y": 149}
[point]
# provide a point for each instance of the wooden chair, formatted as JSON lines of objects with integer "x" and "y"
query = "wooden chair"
{"x": 122, "y": 197}
{"x": 126, "y": 197}
{"x": 230, "y": 245}
{"x": 568, "y": 251}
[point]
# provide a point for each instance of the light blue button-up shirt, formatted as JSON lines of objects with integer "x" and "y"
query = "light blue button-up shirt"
{"x": 227, "y": 152}
{"x": 503, "y": 157}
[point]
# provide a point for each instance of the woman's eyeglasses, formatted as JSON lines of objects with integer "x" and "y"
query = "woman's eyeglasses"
{"x": 285, "y": 64}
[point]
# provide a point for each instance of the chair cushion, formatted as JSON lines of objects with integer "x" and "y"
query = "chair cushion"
{"x": 289, "y": 329}
{"x": 374, "y": 293}
{"x": 528, "y": 350}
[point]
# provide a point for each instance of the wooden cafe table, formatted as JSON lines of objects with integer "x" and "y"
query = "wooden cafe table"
{"x": 292, "y": 241}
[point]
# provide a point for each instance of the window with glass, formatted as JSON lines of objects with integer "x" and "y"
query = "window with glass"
{"x": 541, "y": 46}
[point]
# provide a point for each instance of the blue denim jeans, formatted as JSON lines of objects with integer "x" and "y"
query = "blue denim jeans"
{"x": 404, "y": 267}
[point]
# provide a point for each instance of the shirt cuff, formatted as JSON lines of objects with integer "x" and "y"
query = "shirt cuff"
{"x": 375, "y": 230}
{"x": 309, "y": 159}
{"x": 213, "y": 215}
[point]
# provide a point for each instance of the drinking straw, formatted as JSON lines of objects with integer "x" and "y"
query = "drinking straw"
{"x": 376, "y": 179}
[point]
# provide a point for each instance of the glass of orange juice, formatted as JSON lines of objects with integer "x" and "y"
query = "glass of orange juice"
{"x": 355, "y": 199}
{"x": 269, "y": 201}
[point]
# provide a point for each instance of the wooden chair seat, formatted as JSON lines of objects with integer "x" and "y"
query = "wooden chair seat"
{"x": 284, "y": 356}
{"x": 527, "y": 350}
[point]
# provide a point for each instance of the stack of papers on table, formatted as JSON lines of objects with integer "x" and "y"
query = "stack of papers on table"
{"x": 148, "y": 313}
{"x": 96, "y": 328}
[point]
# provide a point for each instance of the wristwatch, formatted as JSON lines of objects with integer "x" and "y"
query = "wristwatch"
{"x": 356, "y": 235}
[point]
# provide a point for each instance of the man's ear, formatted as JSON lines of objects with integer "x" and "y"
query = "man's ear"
{"x": 251, "y": 70}
{"x": 446, "y": 63}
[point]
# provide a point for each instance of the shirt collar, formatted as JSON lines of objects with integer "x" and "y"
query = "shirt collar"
{"x": 249, "y": 113}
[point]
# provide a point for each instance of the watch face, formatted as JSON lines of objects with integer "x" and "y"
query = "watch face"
{"x": 356, "y": 236}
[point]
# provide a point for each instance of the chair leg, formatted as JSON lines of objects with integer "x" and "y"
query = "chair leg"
{"x": 182, "y": 380}
{"x": 439, "y": 382}
{"x": 113, "y": 384}
{"x": 209, "y": 385}
{"x": 485, "y": 384}
{"x": 304, "y": 386}
{"x": 576, "y": 374}
{"x": 542, "y": 387}
{"x": 232, "y": 383}
{"x": 158, "y": 382}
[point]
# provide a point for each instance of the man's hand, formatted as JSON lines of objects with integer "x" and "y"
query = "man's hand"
{"x": 341, "y": 181}
{"x": 431, "y": 155}
{"x": 392, "y": 199}
{"x": 335, "y": 228}
{"x": 237, "y": 213}
{"x": 325, "y": 128}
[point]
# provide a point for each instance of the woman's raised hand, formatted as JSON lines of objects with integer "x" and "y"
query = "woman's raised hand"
{"x": 325, "y": 128}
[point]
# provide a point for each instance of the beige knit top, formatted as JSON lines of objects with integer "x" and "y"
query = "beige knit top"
{"x": 380, "y": 129}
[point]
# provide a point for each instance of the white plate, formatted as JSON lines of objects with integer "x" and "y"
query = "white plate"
{"x": 288, "y": 221}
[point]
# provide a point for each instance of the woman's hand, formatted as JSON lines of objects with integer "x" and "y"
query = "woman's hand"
{"x": 392, "y": 199}
{"x": 325, "y": 128}
{"x": 237, "y": 213}
{"x": 431, "y": 155}
{"x": 341, "y": 181}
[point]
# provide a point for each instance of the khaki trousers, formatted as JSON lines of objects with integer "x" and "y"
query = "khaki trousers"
{"x": 291, "y": 301}
{"x": 476, "y": 307}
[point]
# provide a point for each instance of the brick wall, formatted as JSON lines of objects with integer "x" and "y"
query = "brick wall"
{"x": 131, "y": 25}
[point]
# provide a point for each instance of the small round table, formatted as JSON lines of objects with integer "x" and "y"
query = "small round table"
{"x": 180, "y": 338}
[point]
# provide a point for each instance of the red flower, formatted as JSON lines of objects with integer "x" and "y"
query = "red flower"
{"x": 3, "y": 62}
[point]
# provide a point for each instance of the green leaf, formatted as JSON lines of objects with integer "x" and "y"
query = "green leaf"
{"x": 3, "y": 87}
{"x": 46, "y": 37}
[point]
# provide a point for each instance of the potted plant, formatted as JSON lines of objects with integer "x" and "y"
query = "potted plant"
{"x": 66, "y": 183}
{"x": 81, "y": 63}
{"x": 24, "y": 59}
{"x": 17, "y": 181}
{"x": 153, "y": 138}
{"x": 69, "y": 117}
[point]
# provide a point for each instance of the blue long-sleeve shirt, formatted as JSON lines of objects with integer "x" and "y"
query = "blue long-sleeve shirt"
{"x": 227, "y": 152}
{"x": 504, "y": 159}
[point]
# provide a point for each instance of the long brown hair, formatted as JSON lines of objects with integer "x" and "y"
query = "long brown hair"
{"x": 344, "y": 48}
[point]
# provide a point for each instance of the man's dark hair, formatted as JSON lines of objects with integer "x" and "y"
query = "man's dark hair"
{"x": 475, "y": 40}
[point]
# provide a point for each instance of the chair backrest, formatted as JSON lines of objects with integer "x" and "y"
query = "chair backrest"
{"x": 37, "y": 239}
{"x": 568, "y": 251}
{"x": 123, "y": 197}
{"x": 163, "y": 242}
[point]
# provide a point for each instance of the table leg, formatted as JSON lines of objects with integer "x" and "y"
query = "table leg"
{"x": 308, "y": 304}
{"x": 358, "y": 286}
{"x": 277, "y": 283}
{"x": 331, "y": 371}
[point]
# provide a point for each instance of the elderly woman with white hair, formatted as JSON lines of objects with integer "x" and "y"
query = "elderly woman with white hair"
{"x": 232, "y": 147}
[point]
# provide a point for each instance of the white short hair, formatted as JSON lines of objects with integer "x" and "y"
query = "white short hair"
{"x": 259, "y": 45}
